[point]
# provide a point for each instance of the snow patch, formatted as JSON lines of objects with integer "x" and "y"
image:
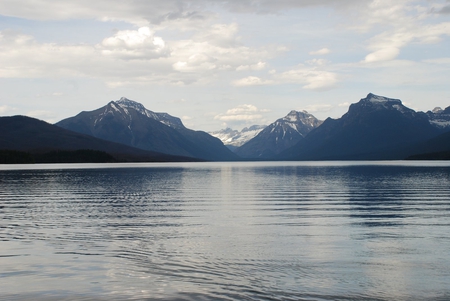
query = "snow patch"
{"x": 440, "y": 123}
{"x": 437, "y": 110}
{"x": 237, "y": 138}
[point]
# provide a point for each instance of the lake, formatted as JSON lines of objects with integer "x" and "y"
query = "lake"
{"x": 225, "y": 231}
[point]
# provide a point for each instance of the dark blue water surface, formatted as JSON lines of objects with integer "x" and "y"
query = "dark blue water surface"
{"x": 226, "y": 231}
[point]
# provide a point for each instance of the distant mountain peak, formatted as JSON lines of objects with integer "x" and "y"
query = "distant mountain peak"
{"x": 129, "y": 122}
{"x": 437, "y": 110}
{"x": 128, "y": 103}
{"x": 381, "y": 99}
{"x": 440, "y": 118}
{"x": 376, "y": 102}
{"x": 301, "y": 118}
{"x": 279, "y": 135}
{"x": 164, "y": 118}
{"x": 235, "y": 138}
{"x": 375, "y": 128}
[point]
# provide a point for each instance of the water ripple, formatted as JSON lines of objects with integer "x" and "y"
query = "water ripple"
{"x": 226, "y": 231}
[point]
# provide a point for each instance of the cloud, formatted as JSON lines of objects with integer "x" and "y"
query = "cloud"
{"x": 401, "y": 24}
{"x": 130, "y": 57}
{"x": 272, "y": 7}
{"x": 310, "y": 78}
{"x": 179, "y": 100}
{"x": 445, "y": 10}
{"x": 254, "y": 67}
{"x": 251, "y": 81}
{"x": 138, "y": 12}
{"x": 318, "y": 108}
{"x": 439, "y": 61}
{"x": 4, "y": 109}
{"x": 243, "y": 112}
{"x": 153, "y": 12}
{"x": 317, "y": 62}
{"x": 384, "y": 54}
{"x": 42, "y": 115}
{"x": 221, "y": 52}
{"x": 134, "y": 44}
{"x": 322, "y": 51}
{"x": 221, "y": 35}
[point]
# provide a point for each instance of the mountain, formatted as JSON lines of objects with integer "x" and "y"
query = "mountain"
{"x": 26, "y": 134}
{"x": 130, "y": 123}
{"x": 436, "y": 148}
{"x": 234, "y": 138}
{"x": 279, "y": 136}
{"x": 375, "y": 128}
{"x": 440, "y": 118}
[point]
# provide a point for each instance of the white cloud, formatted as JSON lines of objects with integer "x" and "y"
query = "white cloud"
{"x": 385, "y": 54}
{"x": 243, "y": 112}
{"x": 221, "y": 35}
{"x": 129, "y": 57}
{"x": 400, "y": 24}
{"x": 251, "y": 81}
{"x": 134, "y": 44}
{"x": 219, "y": 52}
{"x": 242, "y": 109}
{"x": 317, "y": 62}
{"x": 314, "y": 108}
{"x": 255, "y": 67}
{"x": 240, "y": 117}
{"x": 310, "y": 78}
{"x": 322, "y": 51}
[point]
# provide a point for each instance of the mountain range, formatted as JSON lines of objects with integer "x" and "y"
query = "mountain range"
{"x": 130, "y": 123}
{"x": 234, "y": 138}
{"x": 279, "y": 136}
{"x": 375, "y": 128}
{"x": 36, "y": 137}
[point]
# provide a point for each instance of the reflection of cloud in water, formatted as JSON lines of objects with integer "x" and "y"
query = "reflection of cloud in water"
{"x": 228, "y": 230}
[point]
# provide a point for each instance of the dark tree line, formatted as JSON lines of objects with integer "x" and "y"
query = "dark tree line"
{"x": 57, "y": 156}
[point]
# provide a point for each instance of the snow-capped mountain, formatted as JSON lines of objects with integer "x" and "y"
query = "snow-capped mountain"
{"x": 234, "y": 138}
{"x": 173, "y": 122}
{"x": 129, "y": 122}
{"x": 440, "y": 118}
{"x": 376, "y": 127}
{"x": 280, "y": 135}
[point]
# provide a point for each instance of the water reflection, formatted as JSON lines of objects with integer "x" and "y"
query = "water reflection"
{"x": 226, "y": 231}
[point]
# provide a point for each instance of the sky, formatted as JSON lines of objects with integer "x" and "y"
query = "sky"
{"x": 221, "y": 63}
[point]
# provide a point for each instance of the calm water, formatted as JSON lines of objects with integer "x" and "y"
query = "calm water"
{"x": 226, "y": 231}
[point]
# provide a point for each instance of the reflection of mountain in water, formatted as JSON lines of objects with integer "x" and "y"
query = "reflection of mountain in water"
{"x": 236, "y": 231}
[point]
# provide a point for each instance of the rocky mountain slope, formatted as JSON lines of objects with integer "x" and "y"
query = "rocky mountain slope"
{"x": 279, "y": 136}
{"x": 234, "y": 138}
{"x": 130, "y": 123}
{"x": 375, "y": 128}
{"x": 21, "y": 133}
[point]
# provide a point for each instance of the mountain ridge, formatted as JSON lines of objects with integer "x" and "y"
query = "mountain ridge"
{"x": 130, "y": 123}
{"x": 35, "y": 136}
{"x": 280, "y": 135}
{"x": 376, "y": 127}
